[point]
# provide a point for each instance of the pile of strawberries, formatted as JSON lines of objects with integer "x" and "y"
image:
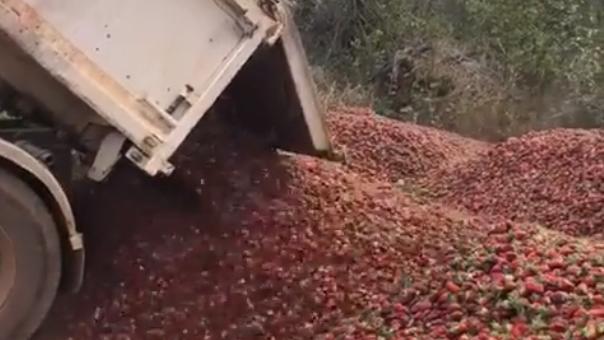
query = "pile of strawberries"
{"x": 376, "y": 146}
{"x": 247, "y": 243}
{"x": 263, "y": 246}
{"x": 524, "y": 282}
{"x": 553, "y": 178}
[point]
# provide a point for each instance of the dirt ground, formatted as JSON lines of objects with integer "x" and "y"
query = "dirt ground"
{"x": 418, "y": 233}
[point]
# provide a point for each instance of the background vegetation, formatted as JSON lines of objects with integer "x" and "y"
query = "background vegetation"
{"x": 485, "y": 68}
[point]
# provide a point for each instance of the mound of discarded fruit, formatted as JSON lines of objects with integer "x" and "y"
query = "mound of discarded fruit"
{"x": 524, "y": 282}
{"x": 246, "y": 243}
{"x": 393, "y": 150}
{"x": 554, "y": 178}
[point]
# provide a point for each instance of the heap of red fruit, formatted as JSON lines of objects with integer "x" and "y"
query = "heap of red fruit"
{"x": 392, "y": 150}
{"x": 288, "y": 247}
{"x": 553, "y": 178}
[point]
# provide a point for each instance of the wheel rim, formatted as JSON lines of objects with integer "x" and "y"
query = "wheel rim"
{"x": 7, "y": 267}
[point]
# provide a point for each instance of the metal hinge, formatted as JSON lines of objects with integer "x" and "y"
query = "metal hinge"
{"x": 270, "y": 8}
{"x": 273, "y": 9}
{"x": 240, "y": 15}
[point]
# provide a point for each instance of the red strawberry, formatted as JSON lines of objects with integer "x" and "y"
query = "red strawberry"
{"x": 532, "y": 286}
{"x": 452, "y": 287}
{"x": 597, "y": 312}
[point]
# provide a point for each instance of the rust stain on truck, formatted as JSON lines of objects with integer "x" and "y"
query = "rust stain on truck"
{"x": 62, "y": 59}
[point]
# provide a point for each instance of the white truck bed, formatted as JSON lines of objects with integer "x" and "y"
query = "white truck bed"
{"x": 153, "y": 68}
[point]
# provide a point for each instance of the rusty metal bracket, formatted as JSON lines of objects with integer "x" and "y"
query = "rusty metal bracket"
{"x": 107, "y": 156}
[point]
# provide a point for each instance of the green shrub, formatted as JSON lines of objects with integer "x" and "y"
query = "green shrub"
{"x": 543, "y": 41}
{"x": 489, "y": 68}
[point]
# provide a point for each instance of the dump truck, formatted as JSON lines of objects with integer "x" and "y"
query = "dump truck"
{"x": 84, "y": 84}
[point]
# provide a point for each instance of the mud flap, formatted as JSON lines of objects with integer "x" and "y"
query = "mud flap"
{"x": 274, "y": 96}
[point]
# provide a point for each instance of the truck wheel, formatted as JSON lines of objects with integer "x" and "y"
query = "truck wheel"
{"x": 30, "y": 259}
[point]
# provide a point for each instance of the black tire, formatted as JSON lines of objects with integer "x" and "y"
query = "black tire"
{"x": 35, "y": 254}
